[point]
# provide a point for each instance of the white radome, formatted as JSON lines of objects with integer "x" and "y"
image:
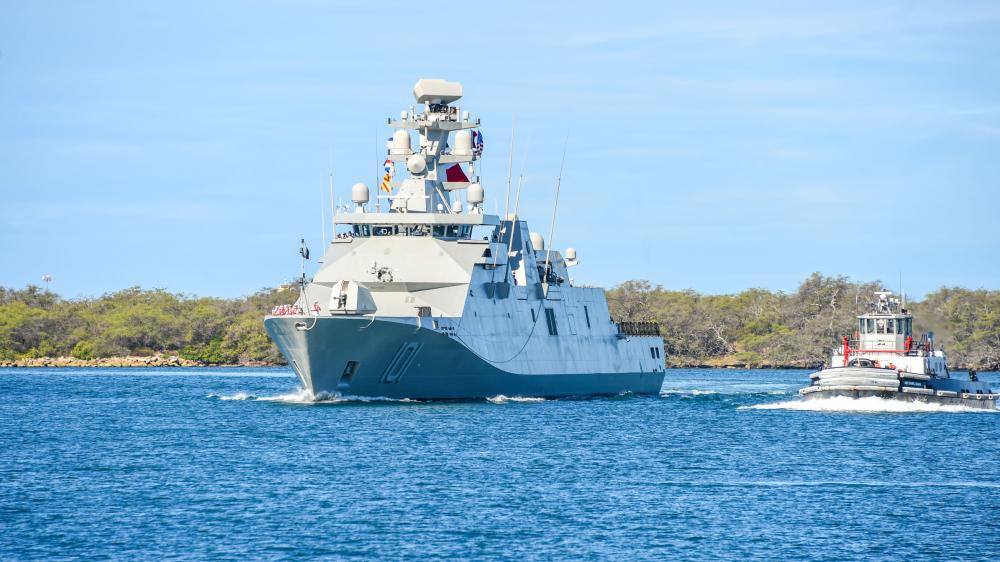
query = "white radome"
{"x": 475, "y": 194}
{"x": 537, "y": 241}
{"x": 401, "y": 143}
{"x": 359, "y": 193}
{"x": 463, "y": 143}
{"x": 416, "y": 164}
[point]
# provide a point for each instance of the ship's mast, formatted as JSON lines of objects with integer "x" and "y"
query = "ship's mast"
{"x": 428, "y": 189}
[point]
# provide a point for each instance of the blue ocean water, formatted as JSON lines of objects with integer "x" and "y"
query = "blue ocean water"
{"x": 232, "y": 463}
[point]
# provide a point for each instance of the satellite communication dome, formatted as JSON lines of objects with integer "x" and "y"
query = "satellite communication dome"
{"x": 400, "y": 143}
{"x": 537, "y": 242}
{"x": 359, "y": 193}
{"x": 571, "y": 254}
{"x": 475, "y": 194}
{"x": 463, "y": 143}
{"x": 416, "y": 164}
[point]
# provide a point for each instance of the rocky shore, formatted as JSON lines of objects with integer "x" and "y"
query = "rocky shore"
{"x": 127, "y": 361}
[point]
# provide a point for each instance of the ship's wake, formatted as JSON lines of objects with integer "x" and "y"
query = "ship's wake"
{"x": 303, "y": 396}
{"x": 754, "y": 390}
{"x": 867, "y": 404}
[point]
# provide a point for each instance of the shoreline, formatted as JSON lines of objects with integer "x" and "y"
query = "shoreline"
{"x": 159, "y": 360}
{"x": 133, "y": 361}
{"x": 125, "y": 361}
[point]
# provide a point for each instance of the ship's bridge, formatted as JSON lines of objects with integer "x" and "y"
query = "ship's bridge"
{"x": 884, "y": 337}
{"x": 887, "y": 327}
{"x": 445, "y": 226}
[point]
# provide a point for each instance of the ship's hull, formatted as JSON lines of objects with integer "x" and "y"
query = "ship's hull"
{"x": 862, "y": 382}
{"x": 358, "y": 356}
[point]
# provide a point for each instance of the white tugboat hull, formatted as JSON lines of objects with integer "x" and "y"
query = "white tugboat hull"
{"x": 862, "y": 382}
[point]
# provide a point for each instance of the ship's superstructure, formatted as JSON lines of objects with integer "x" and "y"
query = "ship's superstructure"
{"x": 883, "y": 359}
{"x": 426, "y": 297}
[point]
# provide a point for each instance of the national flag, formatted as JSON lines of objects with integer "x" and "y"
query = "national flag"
{"x": 390, "y": 171}
{"x": 388, "y": 143}
{"x": 455, "y": 173}
{"x": 477, "y": 143}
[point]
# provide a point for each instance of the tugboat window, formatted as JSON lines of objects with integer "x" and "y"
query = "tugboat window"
{"x": 871, "y": 326}
{"x": 880, "y": 325}
{"x": 890, "y": 327}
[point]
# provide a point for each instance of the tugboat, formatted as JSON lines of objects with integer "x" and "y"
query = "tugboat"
{"x": 426, "y": 298}
{"x": 883, "y": 360}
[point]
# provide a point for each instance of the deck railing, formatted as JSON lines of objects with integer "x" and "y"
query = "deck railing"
{"x": 639, "y": 328}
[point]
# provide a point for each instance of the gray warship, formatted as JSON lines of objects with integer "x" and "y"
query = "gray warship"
{"x": 884, "y": 360}
{"x": 435, "y": 299}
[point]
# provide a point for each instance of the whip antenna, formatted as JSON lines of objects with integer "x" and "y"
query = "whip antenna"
{"x": 517, "y": 197}
{"x": 333, "y": 211}
{"x": 552, "y": 225}
{"x": 322, "y": 213}
{"x": 510, "y": 166}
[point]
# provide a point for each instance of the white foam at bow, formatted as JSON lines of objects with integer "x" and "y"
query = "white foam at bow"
{"x": 501, "y": 399}
{"x": 867, "y": 404}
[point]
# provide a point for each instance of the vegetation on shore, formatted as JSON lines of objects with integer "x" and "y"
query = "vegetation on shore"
{"x": 755, "y": 328}
{"x": 35, "y": 323}
{"x": 760, "y": 328}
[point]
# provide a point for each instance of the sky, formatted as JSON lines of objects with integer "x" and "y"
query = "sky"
{"x": 714, "y": 146}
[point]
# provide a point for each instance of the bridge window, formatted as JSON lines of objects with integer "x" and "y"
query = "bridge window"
{"x": 871, "y": 326}
{"x": 463, "y": 231}
{"x": 880, "y": 325}
{"x": 890, "y": 326}
{"x": 362, "y": 230}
